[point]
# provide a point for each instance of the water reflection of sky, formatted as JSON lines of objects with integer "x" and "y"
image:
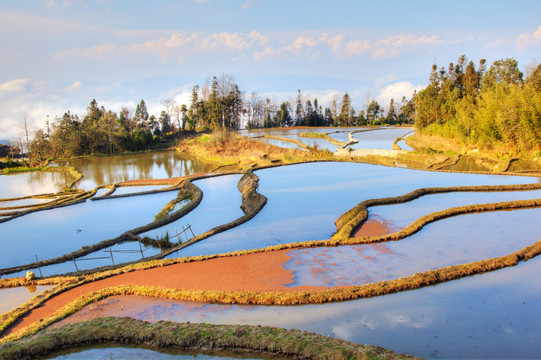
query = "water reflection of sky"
{"x": 452, "y": 241}
{"x": 55, "y": 232}
{"x": 493, "y": 315}
{"x": 402, "y": 215}
{"x": 375, "y": 139}
{"x": 220, "y": 205}
{"x": 380, "y": 138}
{"x": 304, "y": 200}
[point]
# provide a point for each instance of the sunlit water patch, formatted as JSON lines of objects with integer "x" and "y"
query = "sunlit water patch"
{"x": 493, "y": 315}
{"x": 375, "y": 139}
{"x": 24, "y": 202}
{"x": 155, "y": 165}
{"x": 11, "y": 298}
{"x": 280, "y": 143}
{"x": 54, "y": 232}
{"x": 33, "y": 183}
{"x": 304, "y": 200}
{"x": 314, "y": 142}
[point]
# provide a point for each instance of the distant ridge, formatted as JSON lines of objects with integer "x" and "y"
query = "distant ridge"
{"x": 4, "y": 142}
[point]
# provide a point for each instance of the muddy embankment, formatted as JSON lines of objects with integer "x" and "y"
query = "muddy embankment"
{"x": 295, "y": 344}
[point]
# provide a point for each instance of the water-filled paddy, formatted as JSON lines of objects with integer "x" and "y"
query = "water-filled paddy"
{"x": 24, "y": 202}
{"x": 51, "y": 233}
{"x": 452, "y": 241}
{"x": 493, "y": 315}
{"x": 314, "y": 142}
{"x": 220, "y": 205}
{"x": 155, "y": 165}
{"x": 33, "y": 183}
{"x": 401, "y": 215}
{"x": 375, "y": 139}
{"x": 304, "y": 200}
{"x": 113, "y": 255}
{"x": 11, "y": 298}
{"x": 280, "y": 143}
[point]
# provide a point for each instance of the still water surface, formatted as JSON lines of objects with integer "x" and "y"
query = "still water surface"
{"x": 304, "y": 200}
{"x": 33, "y": 183}
{"x": 51, "y": 233}
{"x": 452, "y": 241}
{"x": 220, "y": 205}
{"x": 153, "y": 165}
{"x": 11, "y": 298}
{"x": 488, "y": 316}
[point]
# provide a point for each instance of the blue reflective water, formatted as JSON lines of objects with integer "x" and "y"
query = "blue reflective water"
{"x": 375, "y": 139}
{"x": 401, "y": 215}
{"x": 452, "y": 241}
{"x": 113, "y": 255}
{"x": 54, "y": 232}
{"x": 220, "y": 205}
{"x": 304, "y": 200}
{"x": 488, "y": 316}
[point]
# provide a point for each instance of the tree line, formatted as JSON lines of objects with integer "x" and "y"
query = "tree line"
{"x": 486, "y": 107}
{"x": 217, "y": 104}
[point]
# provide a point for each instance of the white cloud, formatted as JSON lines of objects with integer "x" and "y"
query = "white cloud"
{"x": 396, "y": 91}
{"x": 248, "y": 4}
{"x": 396, "y": 45}
{"x": 526, "y": 40}
{"x": 15, "y": 86}
{"x": 385, "y": 80}
{"x": 55, "y": 5}
{"x": 75, "y": 86}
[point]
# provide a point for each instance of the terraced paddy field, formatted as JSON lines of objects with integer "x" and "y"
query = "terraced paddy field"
{"x": 427, "y": 263}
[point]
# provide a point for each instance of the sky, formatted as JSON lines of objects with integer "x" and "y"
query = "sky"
{"x": 58, "y": 55}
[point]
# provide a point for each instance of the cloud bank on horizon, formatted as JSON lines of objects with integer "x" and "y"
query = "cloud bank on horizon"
{"x": 58, "y": 55}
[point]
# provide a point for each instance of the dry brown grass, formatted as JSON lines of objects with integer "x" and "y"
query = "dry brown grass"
{"x": 228, "y": 148}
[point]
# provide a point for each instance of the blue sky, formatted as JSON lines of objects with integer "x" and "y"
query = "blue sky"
{"x": 58, "y": 55}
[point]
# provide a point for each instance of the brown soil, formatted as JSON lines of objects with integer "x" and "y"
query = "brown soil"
{"x": 374, "y": 227}
{"x": 255, "y": 272}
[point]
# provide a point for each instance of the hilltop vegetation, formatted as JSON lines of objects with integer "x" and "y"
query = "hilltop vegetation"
{"x": 494, "y": 109}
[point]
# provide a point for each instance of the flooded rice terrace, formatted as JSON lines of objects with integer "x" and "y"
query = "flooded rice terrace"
{"x": 485, "y": 316}
{"x": 153, "y": 165}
